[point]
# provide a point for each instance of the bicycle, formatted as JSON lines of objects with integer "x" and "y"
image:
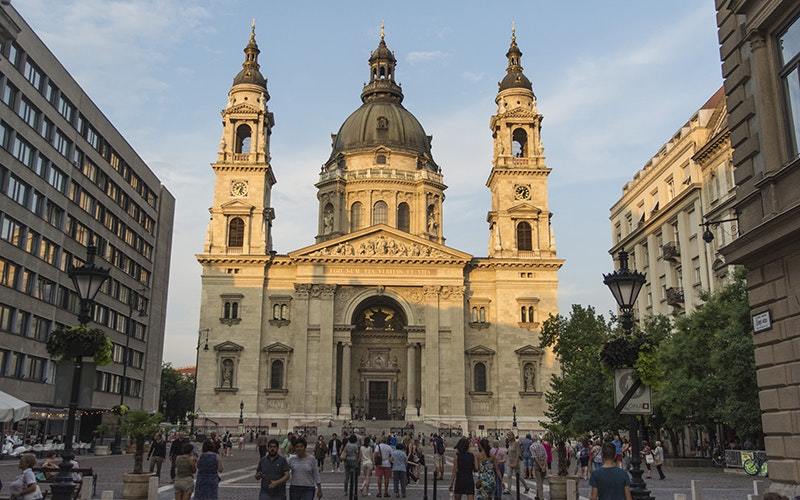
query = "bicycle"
{"x": 718, "y": 458}
{"x": 756, "y": 465}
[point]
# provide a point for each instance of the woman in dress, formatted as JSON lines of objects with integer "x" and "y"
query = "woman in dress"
{"x": 185, "y": 467}
{"x": 487, "y": 471}
{"x": 305, "y": 479}
{"x": 366, "y": 465}
{"x": 461, "y": 481}
{"x": 209, "y": 467}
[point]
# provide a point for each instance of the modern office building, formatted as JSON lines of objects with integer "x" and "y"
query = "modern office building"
{"x": 760, "y": 50}
{"x": 658, "y": 218}
{"x": 69, "y": 178}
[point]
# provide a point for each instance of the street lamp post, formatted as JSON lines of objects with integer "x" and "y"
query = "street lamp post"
{"x": 134, "y": 305}
{"x": 241, "y": 412}
{"x": 514, "y": 411}
{"x": 87, "y": 280}
{"x": 625, "y": 285}
{"x": 196, "y": 366}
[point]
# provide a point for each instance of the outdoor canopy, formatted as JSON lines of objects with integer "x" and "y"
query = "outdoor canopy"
{"x": 12, "y": 409}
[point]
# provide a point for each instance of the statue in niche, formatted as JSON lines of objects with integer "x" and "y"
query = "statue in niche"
{"x": 227, "y": 374}
{"x": 327, "y": 220}
{"x": 432, "y": 223}
{"x": 529, "y": 376}
{"x": 394, "y": 362}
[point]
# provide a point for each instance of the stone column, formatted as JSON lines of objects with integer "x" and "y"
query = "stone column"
{"x": 326, "y": 376}
{"x": 430, "y": 369}
{"x": 297, "y": 382}
{"x": 411, "y": 382}
{"x": 345, "y": 409}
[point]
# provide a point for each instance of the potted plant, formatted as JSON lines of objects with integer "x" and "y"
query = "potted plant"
{"x": 97, "y": 444}
{"x": 558, "y": 435}
{"x": 73, "y": 342}
{"x": 139, "y": 426}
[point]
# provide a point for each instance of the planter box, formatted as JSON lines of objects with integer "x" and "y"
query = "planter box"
{"x": 558, "y": 487}
{"x": 135, "y": 486}
{"x": 102, "y": 450}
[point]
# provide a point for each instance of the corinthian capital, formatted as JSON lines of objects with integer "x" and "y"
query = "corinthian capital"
{"x": 431, "y": 291}
{"x": 301, "y": 290}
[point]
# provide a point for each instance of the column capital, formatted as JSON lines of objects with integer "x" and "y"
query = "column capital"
{"x": 346, "y": 344}
{"x": 301, "y": 290}
{"x": 323, "y": 291}
{"x": 757, "y": 40}
{"x": 431, "y": 291}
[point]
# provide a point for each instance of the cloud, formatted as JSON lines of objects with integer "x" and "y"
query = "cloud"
{"x": 473, "y": 77}
{"x": 418, "y": 57}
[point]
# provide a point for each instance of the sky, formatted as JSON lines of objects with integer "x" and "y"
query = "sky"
{"x": 614, "y": 80}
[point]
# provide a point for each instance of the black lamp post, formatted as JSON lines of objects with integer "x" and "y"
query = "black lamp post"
{"x": 625, "y": 285}
{"x": 135, "y": 304}
{"x": 196, "y": 366}
{"x": 87, "y": 280}
{"x": 514, "y": 411}
{"x": 241, "y": 413}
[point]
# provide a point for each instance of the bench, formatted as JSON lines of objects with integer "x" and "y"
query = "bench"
{"x": 51, "y": 474}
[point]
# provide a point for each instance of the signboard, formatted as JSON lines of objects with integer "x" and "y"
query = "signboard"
{"x": 639, "y": 403}
{"x": 762, "y": 321}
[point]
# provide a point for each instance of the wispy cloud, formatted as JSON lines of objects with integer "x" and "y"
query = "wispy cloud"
{"x": 422, "y": 56}
{"x": 473, "y": 77}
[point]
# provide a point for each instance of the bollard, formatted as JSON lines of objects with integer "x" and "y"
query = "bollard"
{"x": 107, "y": 495}
{"x": 518, "y": 488}
{"x": 152, "y": 488}
{"x": 756, "y": 488}
{"x": 435, "y": 486}
{"x": 696, "y": 495}
{"x": 680, "y": 496}
{"x": 425, "y": 483}
{"x": 572, "y": 489}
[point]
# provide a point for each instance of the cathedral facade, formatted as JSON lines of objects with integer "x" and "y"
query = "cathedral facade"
{"x": 378, "y": 319}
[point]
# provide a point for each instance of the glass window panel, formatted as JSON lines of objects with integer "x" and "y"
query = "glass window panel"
{"x": 790, "y": 42}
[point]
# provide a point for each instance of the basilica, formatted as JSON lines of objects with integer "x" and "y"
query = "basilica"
{"x": 377, "y": 319}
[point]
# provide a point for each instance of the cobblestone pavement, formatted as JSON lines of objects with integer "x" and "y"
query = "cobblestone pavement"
{"x": 238, "y": 481}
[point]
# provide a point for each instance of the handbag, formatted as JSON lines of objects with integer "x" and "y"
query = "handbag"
{"x": 649, "y": 458}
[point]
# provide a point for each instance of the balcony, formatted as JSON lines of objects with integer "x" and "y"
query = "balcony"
{"x": 675, "y": 296}
{"x": 241, "y": 157}
{"x": 671, "y": 251}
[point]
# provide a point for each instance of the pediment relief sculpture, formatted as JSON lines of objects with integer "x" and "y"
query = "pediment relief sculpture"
{"x": 383, "y": 246}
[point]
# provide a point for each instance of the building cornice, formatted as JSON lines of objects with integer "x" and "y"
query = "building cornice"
{"x": 539, "y": 263}
{"x": 716, "y": 143}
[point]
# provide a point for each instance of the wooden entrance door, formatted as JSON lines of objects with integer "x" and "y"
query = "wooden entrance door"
{"x": 379, "y": 399}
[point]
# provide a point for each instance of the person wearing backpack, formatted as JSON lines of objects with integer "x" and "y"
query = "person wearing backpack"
{"x": 438, "y": 456}
{"x": 583, "y": 459}
{"x": 597, "y": 455}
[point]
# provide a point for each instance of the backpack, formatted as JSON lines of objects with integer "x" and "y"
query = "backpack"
{"x": 584, "y": 453}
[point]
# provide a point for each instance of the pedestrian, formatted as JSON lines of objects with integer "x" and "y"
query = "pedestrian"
{"x": 261, "y": 442}
{"x": 383, "y": 466}
{"x": 185, "y": 467}
{"x": 658, "y": 459}
{"x": 227, "y": 443}
{"x": 548, "y": 449}
{"x": 352, "y": 462}
{"x": 175, "y": 450}
{"x": 25, "y": 485}
{"x": 617, "y": 442}
{"x": 416, "y": 461}
{"x": 335, "y": 450}
{"x": 399, "y": 470}
{"x": 626, "y": 453}
{"x": 209, "y": 467}
{"x": 610, "y": 482}
{"x": 527, "y": 460}
{"x": 438, "y": 455}
{"x": 539, "y": 455}
{"x": 513, "y": 461}
{"x": 487, "y": 471}
{"x": 583, "y": 460}
{"x": 305, "y": 478}
{"x": 597, "y": 455}
{"x": 241, "y": 442}
{"x": 273, "y": 472}
{"x": 462, "y": 482}
{"x": 367, "y": 465}
{"x": 287, "y": 446}
{"x": 158, "y": 452}
{"x": 320, "y": 452}
{"x": 649, "y": 459}
{"x": 499, "y": 452}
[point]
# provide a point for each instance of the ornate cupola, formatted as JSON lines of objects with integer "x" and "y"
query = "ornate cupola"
{"x": 381, "y": 84}
{"x": 514, "y": 78}
{"x": 251, "y": 71}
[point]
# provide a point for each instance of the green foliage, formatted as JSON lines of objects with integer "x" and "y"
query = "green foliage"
{"x": 177, "y": 390}
{"x": 74, "y": 341}
{"x": 139, "y": 426}
{"x": 704, "y": 373}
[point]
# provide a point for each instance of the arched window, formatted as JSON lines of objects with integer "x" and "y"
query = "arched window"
{"x": 243, "y": 138}
{"x": 276, "y": 311}
{"x": 479, "y": 377}
{"x": 523, "y": 315}
{"x": 380, "y": 213}
{"x": 276, "y": 375}
{"x": 226, "y": 310}
{"x": 524, "y": 239}
{"x": 284, "y": 311}
{"x": 482, "y": 315}
{"x": 236, "y": 233}
{"x": 519, "y": 144}
{"x": 530, "y": 314}
{"x": 474, "y": 314}
{"x": 355, "y": 216}
{"x": 234, "y": 310}
{"x": 403, "y": 217}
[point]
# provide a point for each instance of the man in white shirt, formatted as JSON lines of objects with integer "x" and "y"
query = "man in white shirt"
{"x": 383, "y": 468}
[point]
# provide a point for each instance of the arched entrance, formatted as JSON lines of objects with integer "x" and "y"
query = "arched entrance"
{"x": 379, "y": 343}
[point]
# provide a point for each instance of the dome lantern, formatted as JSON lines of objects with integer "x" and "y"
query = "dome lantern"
{"x": 251, "y": 72}
{"x": 382, "y": 85}
{"x": 514, "y": 78}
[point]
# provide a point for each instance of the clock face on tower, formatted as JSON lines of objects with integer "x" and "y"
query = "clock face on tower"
{"x": 522, "y": 192}
{"x": 239, "y": 188}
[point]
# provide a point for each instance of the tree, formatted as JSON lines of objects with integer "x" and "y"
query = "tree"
{"x": 139, "y": 426}
{"x": 177, "y": 390}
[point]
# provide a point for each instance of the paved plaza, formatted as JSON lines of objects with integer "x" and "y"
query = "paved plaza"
{"x": 238, "y": 481}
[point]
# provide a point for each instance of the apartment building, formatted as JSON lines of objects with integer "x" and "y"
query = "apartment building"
{"x": 68, "y": 178}
{"x": 658, "y": 219}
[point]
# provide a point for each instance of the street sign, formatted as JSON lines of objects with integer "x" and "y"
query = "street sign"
{"x": 639, "y": 403}
{"x": 762, "y": 321}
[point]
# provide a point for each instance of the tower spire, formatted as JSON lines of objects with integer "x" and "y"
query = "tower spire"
{"x": 251, "y": 72}
{"x": 513, "y": 32}
{"x": 514, "y": 78}
{"x": 383, "y": 31}
{"x": 381, "y": 73}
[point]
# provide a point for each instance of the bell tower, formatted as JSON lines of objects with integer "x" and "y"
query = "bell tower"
{"x": 519, "y": 221}
{"x": 241, "y": 214}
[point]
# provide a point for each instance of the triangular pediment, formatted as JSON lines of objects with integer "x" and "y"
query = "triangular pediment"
{"x": 278, "y": 347}
{"x": 228, "y": 346}
{"x": 380, "y": 242}
{"x": 236, "y": 207}
{"x": 526, "y": 208}
{"x": 529, "y": 350}
{"x": 479, "y": 350}
{"x": 243, "y": 107}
